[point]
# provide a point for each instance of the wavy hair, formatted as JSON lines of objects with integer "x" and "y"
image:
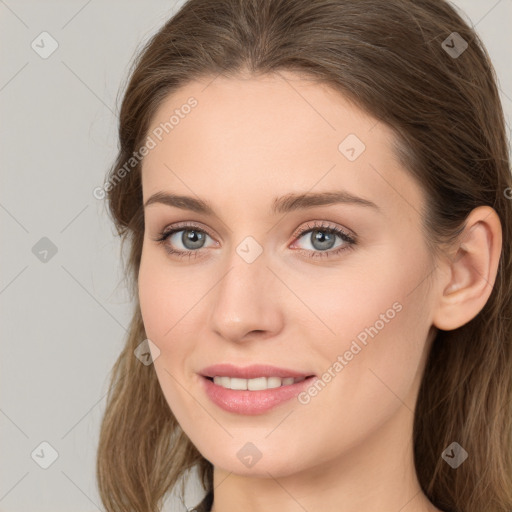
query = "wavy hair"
{"x": 388, "y": 57}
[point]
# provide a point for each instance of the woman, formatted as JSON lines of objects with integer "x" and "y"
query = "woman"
{"x": 316, "y": 195}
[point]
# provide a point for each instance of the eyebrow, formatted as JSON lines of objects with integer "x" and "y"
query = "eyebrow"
{"x": 284, "y": 204}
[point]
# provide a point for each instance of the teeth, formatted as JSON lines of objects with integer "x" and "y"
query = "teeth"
{"x": 257, "y": 384}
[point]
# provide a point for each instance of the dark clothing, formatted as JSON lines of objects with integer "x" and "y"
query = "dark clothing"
{"x": 205, "y": 505}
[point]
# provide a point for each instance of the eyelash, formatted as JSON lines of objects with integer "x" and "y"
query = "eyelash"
{"x": 351, "y": 241}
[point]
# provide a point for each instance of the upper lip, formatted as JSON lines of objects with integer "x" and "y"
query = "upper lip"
{"x": 250, "y": 372}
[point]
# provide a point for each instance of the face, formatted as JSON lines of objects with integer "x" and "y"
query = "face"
{"x": 337, "y": 290}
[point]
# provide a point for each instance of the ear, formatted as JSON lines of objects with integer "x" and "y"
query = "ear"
{"x": 470, "y": 271}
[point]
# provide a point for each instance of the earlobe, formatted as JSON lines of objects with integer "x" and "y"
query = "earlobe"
{"x": 471, "y": 270}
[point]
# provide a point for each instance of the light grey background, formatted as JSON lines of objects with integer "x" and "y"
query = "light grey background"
{"x": 64, "y": 321}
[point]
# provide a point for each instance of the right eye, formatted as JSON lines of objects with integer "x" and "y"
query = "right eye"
{"x": 191, "y": 238}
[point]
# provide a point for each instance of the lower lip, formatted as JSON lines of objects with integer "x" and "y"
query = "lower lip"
{"x": 252, "y": 402}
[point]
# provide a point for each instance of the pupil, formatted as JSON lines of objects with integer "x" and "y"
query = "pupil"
{"x": 326, "y": 240}
{"x": 192, "y": 237}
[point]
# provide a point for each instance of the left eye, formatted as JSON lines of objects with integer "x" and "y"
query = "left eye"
{"x": 192, "y": 238}
{"x": 323, "y": 239}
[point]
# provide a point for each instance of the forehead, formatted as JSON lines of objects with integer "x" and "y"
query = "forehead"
{"x": 253, "y": 138}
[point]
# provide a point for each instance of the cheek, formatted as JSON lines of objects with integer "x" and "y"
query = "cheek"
{"x": 153, "y": 301}
{"x": 162, "y": 306}
{"x": 169, "y": 301}
{"x": 376, "y": 312}
{"x": 161, "y": 299}
{"x": 164, "y": 294}
{"x": 382, "y": 337}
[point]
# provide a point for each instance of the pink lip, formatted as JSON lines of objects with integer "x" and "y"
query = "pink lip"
{"x": 250, "y": 372}
{"x": 251, "y": 402}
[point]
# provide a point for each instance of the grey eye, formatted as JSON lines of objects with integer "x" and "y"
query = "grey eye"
{"x": 190, "y": 238}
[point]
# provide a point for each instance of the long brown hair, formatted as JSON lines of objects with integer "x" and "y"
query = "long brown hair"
{"x": 395, "y": 60}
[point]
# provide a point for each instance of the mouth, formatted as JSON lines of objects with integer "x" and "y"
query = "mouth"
{"x": 255, "y": 384}
{"x": 252, "y": 372}
{"x": 254, "y": 389}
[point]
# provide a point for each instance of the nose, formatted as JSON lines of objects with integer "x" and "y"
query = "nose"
{"x": 247, "y": 302}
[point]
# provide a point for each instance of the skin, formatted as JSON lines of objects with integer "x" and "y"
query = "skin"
{"x": 248, "y": 140}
